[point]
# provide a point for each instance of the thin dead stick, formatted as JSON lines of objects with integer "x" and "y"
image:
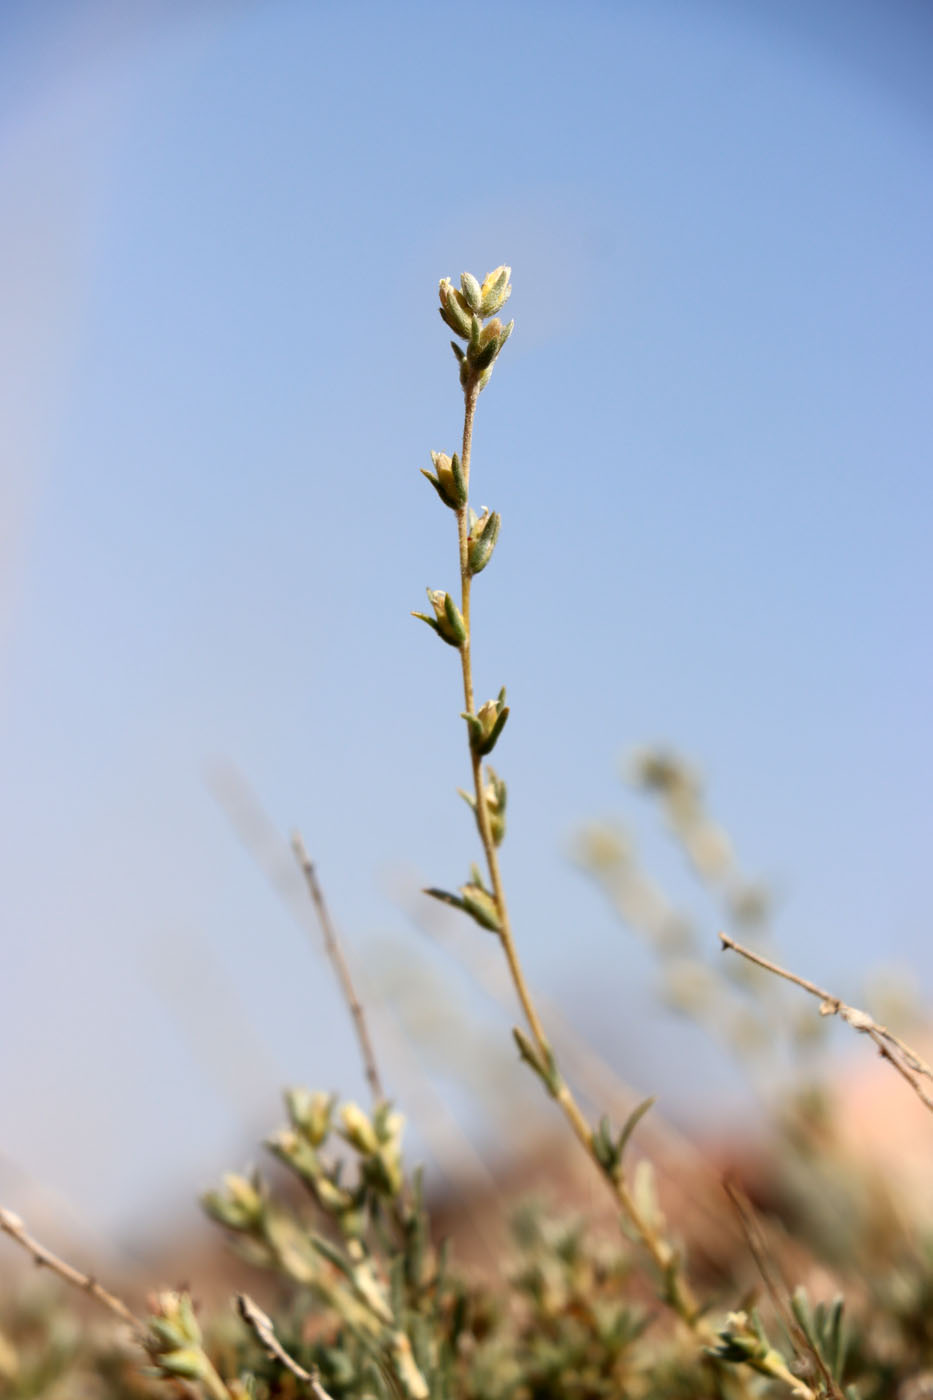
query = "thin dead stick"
{"x": 265, "y": 844}
{"x": 779, "y": 1290}
{"x": 58, "y": 1213}
{"x": 339, "y": 964}
{"x": 446, "y": 1141}
{"x": 268, "y": 849}
{"x": 906, "y": 1061}
{"x": 758, "y": 1247}
{"x": 11, "y": 1225}
{"x": 261, "y": 1325}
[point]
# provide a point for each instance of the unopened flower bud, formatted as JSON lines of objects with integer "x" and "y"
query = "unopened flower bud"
{"x": 472, "y": 292}
{"x": 310, "y": 1113}
{"x": 494, "y": 793}
{"x": 454, "y": 309}
{"x": 174, "y": 1343}
{"x": 239, "y": 1207}
{"x": 357, "y": 1129}
{"x": 487, "y": 724}
{"x": 495, "y": 290}
{"x": 484, "y": 531}
{"x": 481, "y": 905}
{"x": 447, "y": 621}
{"x": 447, "y": 479}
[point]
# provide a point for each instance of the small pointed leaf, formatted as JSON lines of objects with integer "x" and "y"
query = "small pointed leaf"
{"x": 445, "y": 897}
{"x": 472, "y": 292}
{"x": 631, "y": 1123}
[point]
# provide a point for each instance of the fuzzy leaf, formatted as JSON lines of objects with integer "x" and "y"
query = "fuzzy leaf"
{"x": 482, "y": 359}
{"x": 481, "y": 548}
{"x": 455, "y": 618}
{"x": 456, "y": 468}
{"x": 472, "y": 292}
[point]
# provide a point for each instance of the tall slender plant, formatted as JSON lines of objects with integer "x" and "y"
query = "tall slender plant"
{"x": 471, "y": 312}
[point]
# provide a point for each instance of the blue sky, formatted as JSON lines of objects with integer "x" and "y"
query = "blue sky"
{"x": 709, "y": 439}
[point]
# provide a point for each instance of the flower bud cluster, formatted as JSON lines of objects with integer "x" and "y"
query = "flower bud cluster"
{"x": 465, "y": 310}
{"x": 378, "y": 1140}
{"x": 743, "y": 1340}
{"x": 240, "y": 1206}
{"x": 175, "y": 1345}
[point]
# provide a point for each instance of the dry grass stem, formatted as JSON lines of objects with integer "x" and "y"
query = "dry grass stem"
{"x": 262, "y": 1327}
{"x": 267, "y": 847}
{"x": 779, "y": 1291}
{"x": 452, "y": 1151}
{"x": 341, "y": 968}
{"x": 906, "y": 1061}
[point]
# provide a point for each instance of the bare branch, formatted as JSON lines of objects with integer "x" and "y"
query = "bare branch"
{"x": 262, "y": 1326}
{"x": 450, "y": 1147}
{"x": 339, "y": 964}
{"x": 11, "y": 1225}
{"x": 906, "y": 1061}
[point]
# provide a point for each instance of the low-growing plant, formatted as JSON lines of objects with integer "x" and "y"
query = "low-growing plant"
{"x": 370, "y": 1303}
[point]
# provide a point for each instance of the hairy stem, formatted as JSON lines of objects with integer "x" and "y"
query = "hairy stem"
{"x": 463, "y": 534}
{"x": 679, "y": 1293}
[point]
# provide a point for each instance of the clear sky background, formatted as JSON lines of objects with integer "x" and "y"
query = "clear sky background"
{"x": 221, "y": 231}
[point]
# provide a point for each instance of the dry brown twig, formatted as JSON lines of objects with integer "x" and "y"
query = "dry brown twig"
{"x": 270, "y": 851}
{"x": 264, "y": 1331}
{"x": 340, "y": 966}
{"x": 11, "y": 1225}
{"x": 906, "y": 1061}
{"x": 457, "y": 1173}
{"x": 452, "y": 1150}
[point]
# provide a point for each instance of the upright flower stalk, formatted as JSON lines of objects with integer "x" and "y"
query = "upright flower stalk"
{"x": 470, "y": 311}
